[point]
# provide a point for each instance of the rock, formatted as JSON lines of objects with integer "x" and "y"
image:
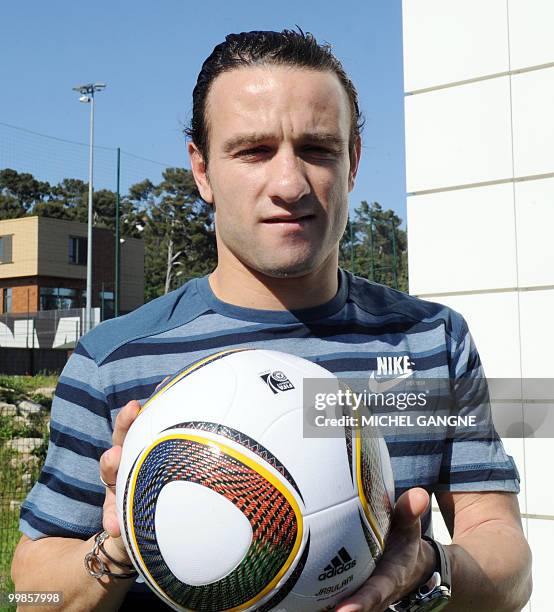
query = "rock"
{"x": 26, "y": 408}
{"x": 14, "y": 505}
{"x": 25, "y": 460}
{"x": 45, "y": 392}
{"x": 21, "y": 421}
{"x": 26, "y": 479}
{"x": 24, "y": 445}
{"x": 8, "y": 409}
{"x": 6, "y": 391}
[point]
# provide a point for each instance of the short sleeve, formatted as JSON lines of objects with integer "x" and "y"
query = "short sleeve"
{"x": 473, "y": 460}
{"x": 67, "y": 499}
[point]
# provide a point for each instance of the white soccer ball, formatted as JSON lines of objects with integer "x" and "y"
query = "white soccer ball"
{"x": 224, "y": 505}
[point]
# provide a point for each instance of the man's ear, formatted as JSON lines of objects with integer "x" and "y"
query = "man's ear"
{"x": 354, "y": 163}
{"x": 200, "y": 173}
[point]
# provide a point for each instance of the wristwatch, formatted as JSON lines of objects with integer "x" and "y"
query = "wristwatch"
{"x": 433, "y": 594}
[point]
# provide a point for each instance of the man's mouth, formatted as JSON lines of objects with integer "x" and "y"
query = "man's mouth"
{"x": 292, "y": 219}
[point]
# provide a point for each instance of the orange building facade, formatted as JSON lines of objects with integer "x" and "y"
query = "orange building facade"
{"x": 43, "y": 267}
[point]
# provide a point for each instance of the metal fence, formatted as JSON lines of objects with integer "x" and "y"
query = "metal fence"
{"x": 24, "y": 430}
{"x": 53, "y": 159}
{"x": 38, "y": 343}
{"x": 45, "y": 329}
{"x": 34, "y": 348}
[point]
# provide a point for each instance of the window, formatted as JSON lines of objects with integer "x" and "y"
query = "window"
{"x": 58, "y": 298}
{"x": 5, "y": 249}
{"x": 78, "y": 250}
{"x": 7, "y": 299}
{"x": 107, "y": 304}
{"x": 48, "y": 298}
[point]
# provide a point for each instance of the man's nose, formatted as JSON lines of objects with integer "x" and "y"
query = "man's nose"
{"x": 288, "y": 181}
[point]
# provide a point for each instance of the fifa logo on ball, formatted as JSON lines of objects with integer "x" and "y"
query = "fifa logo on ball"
{"x": 277, "y": 381}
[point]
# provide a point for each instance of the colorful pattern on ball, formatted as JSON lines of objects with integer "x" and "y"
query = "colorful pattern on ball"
{"x": 373, "y": 493}
{"x": 241, "y": 438}
{"x": 290, "y": 582}
{"x": 348, "y": 440}
{"x": 276, "y": 526}
{"x": 371, "y": 542}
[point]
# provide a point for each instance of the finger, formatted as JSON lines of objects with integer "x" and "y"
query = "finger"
{"x": 110, "y": 522}
{"x": 123, "y": 421}
{"x": 376, "y": 593}
{"x": 109, "y": 464}
{"x": 410, "y": 506}
{"x": 369, "y": 597}
{"x": 383, "y": 586}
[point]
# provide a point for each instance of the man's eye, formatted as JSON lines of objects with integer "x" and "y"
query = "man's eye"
{"x": 253, "y": 152}
{"x": 319, "y": 151}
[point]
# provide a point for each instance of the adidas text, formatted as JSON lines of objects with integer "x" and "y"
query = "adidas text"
{"x": 335, "y": 571}
{"x": 340, "y": 563}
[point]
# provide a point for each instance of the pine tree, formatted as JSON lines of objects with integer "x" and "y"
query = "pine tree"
{"x": 179, "y": 237}
{"x": 375, "y": 247}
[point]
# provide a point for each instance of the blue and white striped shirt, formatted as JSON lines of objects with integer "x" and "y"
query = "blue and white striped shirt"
{"x": 126, "y": 358}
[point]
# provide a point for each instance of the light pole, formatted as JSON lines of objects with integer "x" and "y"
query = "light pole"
{"x": 87, "y": 96}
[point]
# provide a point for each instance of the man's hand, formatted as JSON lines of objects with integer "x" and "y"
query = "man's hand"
{"x": 406, "y": 562}
{"x": 109, "y": 465}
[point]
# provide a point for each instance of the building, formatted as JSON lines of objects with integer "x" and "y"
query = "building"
{"x": 479, "y": 85}
{"x": 43, "y": 267}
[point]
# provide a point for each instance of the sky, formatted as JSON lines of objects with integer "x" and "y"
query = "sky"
{"x": 149, "y": 54}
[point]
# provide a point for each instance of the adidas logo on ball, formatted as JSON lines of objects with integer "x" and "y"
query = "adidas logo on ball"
{"x": 341, "y": 562}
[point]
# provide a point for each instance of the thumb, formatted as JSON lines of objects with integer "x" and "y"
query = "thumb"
{"x": 410, "y": 506}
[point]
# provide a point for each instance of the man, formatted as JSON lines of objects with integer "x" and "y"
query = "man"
{"x": 275, "y": 147}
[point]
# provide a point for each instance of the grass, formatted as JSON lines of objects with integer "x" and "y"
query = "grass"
{"x": 13, "y": 487}
{"x": 18, "y": 472}
{"x": 14, "y": 387}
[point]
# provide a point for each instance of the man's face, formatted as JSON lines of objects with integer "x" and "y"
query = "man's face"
{"x": 279, "y": 168}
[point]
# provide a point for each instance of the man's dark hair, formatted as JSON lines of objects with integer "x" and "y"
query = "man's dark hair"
{"x": 286, "y": 48}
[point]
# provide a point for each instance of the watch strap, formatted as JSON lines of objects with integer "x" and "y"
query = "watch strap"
{"x": 443, "y": 562}
{"x": 434, "y": 594}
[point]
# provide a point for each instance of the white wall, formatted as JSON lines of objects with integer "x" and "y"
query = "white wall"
{"x": 479, "y": 83}
{"x": 458, "y": 135}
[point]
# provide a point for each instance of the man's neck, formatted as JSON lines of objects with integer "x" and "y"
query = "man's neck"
{"x": 241, "y": 286}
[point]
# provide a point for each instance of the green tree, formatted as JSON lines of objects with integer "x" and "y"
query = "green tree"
{"x": 66, "y": 200}
{"x": 69, "y": 200}
{"x": 375, "y": 247}
{"x": 179, "y": 237}
{"x": 20, "y": 192}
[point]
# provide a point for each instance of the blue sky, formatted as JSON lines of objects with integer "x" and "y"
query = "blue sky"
{"x": 149, "y": 54}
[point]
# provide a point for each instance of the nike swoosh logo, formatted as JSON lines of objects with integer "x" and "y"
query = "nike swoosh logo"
{"x": 379, "y": 386}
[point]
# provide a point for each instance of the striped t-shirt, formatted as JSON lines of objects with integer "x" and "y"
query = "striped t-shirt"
{"x": 125, "y": 358}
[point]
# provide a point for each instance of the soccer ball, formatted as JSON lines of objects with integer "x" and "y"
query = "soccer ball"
{"x": 224, "y": 505}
